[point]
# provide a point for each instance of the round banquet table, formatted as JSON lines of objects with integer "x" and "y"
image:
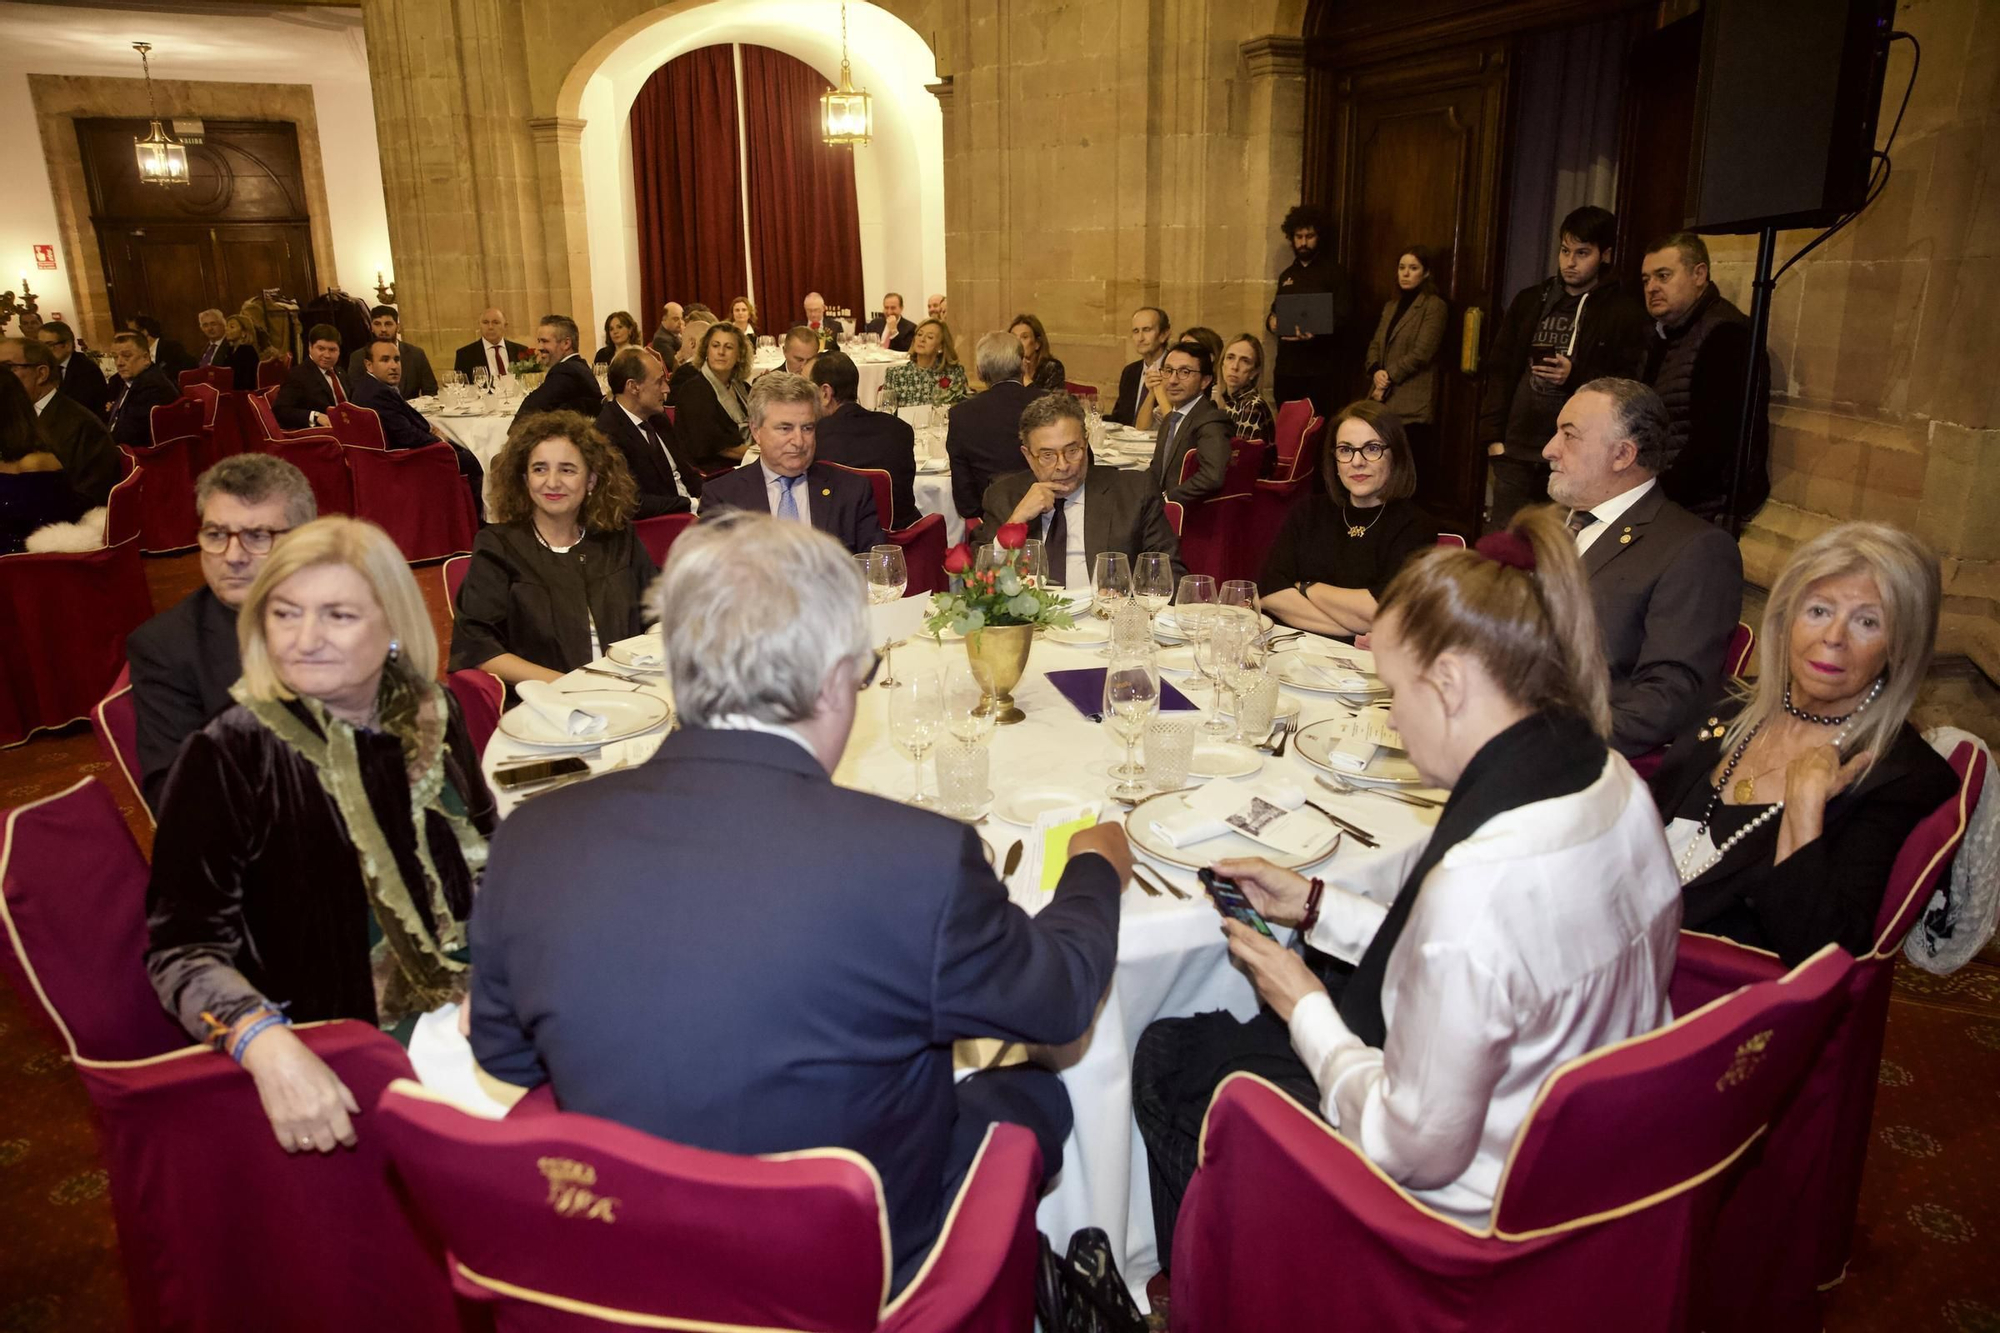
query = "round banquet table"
{"x": 1171, "y": 956}
{"x": 932, "y": 489}
{"x": 871, "y": 362}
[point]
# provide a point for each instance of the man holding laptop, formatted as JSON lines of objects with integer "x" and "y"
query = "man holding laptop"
{"x": 1313, "y": 302}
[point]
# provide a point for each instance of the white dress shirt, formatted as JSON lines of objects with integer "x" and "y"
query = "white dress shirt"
{"x": 1547, "y": 934}
{"x": 43, "y": 401}
{"x": 774, "y": 491}
{"x": 744, "y": 722}
{"x": 1075, "y": 572}
{"x": 1610, "y": 512}
{"x": 496, "y": 358}
{"x": 646, "y": 433}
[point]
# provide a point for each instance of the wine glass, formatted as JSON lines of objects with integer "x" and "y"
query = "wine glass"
{"x": 916, "y": 716}
{"x": 888, "y": 573}
{"x": 479, "y": 379}
{"x": 1194, "y": 600}
{"x": 1111, "y": 584}
{"x": 1240, "y": 660}
{"x": 1226, "y": 641}
{"x": 968, "y": 715}
{"x": 1153, "y": 581}
{"x": 1131, "y": 697}
{"x": 1034, "y": 562}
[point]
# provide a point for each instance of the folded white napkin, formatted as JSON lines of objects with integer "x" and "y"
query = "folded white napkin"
{"x": 644, "y": 650}
{"x": 547, "y": 702}
{"x": 1264, "y": 811}
{"x": 1360, "y": 737}
{"x": 1331, "y": 673}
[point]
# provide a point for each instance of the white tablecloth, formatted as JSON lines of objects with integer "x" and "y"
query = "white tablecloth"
{"x": 872, "y": 363}
{"x": 1171, "y": 958}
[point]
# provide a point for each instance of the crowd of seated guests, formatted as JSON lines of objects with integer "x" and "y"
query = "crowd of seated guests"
{"x": 35, "y": 490}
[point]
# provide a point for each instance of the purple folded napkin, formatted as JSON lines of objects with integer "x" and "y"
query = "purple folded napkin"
{"x": 1084, "y": 687}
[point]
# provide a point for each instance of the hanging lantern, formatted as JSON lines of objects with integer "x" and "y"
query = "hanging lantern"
{"x": 844, "y": 112}
{"x": 163, "y": 159}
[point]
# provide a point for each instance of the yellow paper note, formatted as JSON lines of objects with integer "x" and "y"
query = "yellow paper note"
{"x": 1055, "y": 849}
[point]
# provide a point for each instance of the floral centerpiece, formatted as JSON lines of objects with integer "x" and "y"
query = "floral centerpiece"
{"x": 997, "y": 608}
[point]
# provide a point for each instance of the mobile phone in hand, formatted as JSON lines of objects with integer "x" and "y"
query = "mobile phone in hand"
{"x": 1229, "y": 900}
{"x": 537, "y": 772}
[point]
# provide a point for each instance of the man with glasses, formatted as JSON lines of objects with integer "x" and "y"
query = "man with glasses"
{"x": 185, "y": 659}
{"x": 1194, "y": 423}
{"x": 77, "y": 438}
{"x": 1077, "y": 510}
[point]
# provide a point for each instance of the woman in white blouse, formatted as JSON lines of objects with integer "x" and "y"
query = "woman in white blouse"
{"x": 1537, "y": 922}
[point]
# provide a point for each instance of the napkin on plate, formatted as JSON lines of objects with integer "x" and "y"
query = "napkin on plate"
{"x": 1360, "y": 738}
{"x": 1332, "y": 673}
{"x": 643, "y": 649}
{"x": 1264, "y": 811}
{"x": 547, "y": 703}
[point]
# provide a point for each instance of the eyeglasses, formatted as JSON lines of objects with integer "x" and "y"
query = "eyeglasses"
{"x": 1179, "y": 372}
{"x": 256, "y": 541}
{"x": 1047, "y": 458}
{"x": 1371, "y": 451}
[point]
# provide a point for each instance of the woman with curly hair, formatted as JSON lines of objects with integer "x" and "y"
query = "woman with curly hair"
{"x": 559, "y": 572}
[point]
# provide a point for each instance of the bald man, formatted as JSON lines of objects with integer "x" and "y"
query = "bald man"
{"x": 667, "y": 338}
{"x": 935, "y": 306}
{"x": 493, "y": 351}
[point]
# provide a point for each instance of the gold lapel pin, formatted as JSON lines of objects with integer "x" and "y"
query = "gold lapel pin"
{"x": 828, "y": 490}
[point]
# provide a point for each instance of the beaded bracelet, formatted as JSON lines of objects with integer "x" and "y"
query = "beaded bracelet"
{"x": 1311, "y": 917}
{"x": 271, "y": 1019}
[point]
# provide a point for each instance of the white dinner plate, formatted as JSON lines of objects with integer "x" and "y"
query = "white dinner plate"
{"x": 930, "y": 467}
{"x": 1303, "y": 670}
{"x": 1166, "y": 627}
{"x": 1389, "y": 768}
{"x": 1023, "y": 805}
{"x": 1195, "y": 856}
{"x": 628, "y": 713}
{"x": 1088, "y": 632}
{"x": 622, "y": 655}
{"x": 1220, "y": 759}
{"x": 1288, "y": 707}
{"x": 1179, "y": 658}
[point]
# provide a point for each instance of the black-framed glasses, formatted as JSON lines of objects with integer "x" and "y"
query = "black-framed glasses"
{"x": 257, "y": 541}
{"x": 1371, "y": 451}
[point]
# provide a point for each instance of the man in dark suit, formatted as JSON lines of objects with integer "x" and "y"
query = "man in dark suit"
{"x": 853, "y": 436}
{"x": 890, "y": 326}
{"x": 77, "y": 439}
{"x": 786, "y": 481}
{"x": 1150, "y": 330}
{"x": 82, "y": 381}
{"x": 1076, "y": 509}
{"x": 1194, "y": 423}
{"x": 403, "y": 427}
{"x": 166, "y": 353}
{"x": 214, "y": 344}
{"x": 1668, "y": 586}
{"x": 881, "y": 933}
{"x": 983, "y": 440}
{"x": 635, "y": 420}
{"x": 419, "y": 380}
{"x": 184, "y": 660}
{"x": 140, "y": 386}
{"x": 569, "y": 384}
{"x": 667, "y": 337}
{"x": 492, "y": 351}
{"x": 827, "y": 330}
{"x": 313, "y": 386}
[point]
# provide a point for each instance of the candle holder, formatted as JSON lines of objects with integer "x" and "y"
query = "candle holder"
{"x": 12, "y": 307}
{"x": 385, "y": 292}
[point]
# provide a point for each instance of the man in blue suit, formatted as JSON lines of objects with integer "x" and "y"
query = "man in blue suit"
{"x": 787, "y": 481}
{"x": 403, "y": 427}
{"x": 792, "y": 975}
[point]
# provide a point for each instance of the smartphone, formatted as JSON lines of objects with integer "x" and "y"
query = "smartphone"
{"x": 543, "y": 770}
{"x": 1229, "y": 901}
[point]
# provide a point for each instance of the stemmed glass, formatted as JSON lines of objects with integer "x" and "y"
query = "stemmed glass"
{"x": 1194, "y": 603}
{"x": 1131, "y": 697}
{"x": 479, "y": 378}
{"x": 1239, "y": 592}
{"x": 1111, "y": 582}
{"x": 1240, "y": 662}
{"x": 1035, "y": 562}
{"x": 916, "y": 716}
{"x": 1224, "y": 639}
{"x": 968, "y": 714}
{"x": 1153, "y": 581}
{"x": 888, "y": 574}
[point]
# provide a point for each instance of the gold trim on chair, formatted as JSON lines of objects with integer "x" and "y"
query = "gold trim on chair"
{"x": 1949, "y": 849}
{"x": 118, "y": 755}
{"x": 944, "y": 1232}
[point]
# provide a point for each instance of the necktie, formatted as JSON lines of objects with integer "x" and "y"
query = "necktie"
{"x": 1579, "y": 519}
{"x": 493, "y": 370}
{"x": 208, "y": 357}
{"x": 1055, "y": 542}
{"x": 1168, "y": 428}
{"x": 788, "y": 507}
{"x": 668, "y": 454}
{"x": 120, "y": 406}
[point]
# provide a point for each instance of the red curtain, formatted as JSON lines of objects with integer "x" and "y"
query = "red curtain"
{"x": 687, "y": 185}
{"x": 805, "y": 230}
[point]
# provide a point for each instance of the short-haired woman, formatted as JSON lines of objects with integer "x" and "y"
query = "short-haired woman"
{"x": 1039, "y": 367}
{"x": 1402, "y": 356}
{"x": 1241, "y": 367}
{"x": 712, "y": 406}
{"x": 620, "y": 332}
{"x": 319, "y": 841}
{"x": 932, "y": 374}
{"x": 1538, "y": 922}
{"x": 558, "y": 574}
{"x": 1787, "y": 805}
{"x": 1338, "y": 549}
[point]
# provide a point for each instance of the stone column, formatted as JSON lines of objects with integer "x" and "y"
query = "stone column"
{"x": 565, "y": 241}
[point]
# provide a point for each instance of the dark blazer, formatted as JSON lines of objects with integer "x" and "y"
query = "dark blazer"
{"x": 842, "y": 505}
{"x": 657, "y": 492}
{"x": 183, "y": 662}
{"x": 906, "y": 330}
{"x": 243, "y": 362}
{"x": 80, "y": 441}
{"x": 402, "y": 425}
{"x": 520, "y": 597}
{"x": 472, "y": 356}
{"x": 303, "y": 393}
{"x": 1667, "y": 601}
{"x": 569, "y": 386}
{"x": 419, "y": 380}
{"x": 1121, "y": 512}
{"x": 1206, "y": 430}
{"x": 172, "y": 357}
{"x": 705, "y": 429}
{"x": 881, "y": 935}
{"x": 853, "y": 436}
{"x": 1828, "y": 891}
{"x": 1131, "y": 383}
{"x": 84, "y": 382}
{"x": 983, "y": 441}
{"x": 132, "y": 407}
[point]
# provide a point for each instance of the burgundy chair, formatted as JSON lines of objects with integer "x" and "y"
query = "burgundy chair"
{"x": 481, "y": 697}
{"x": 115, "y": 724}
{"x": 454, "y": 578}
{"x": 264, "y": 430}
{"x": 657, "y": 535}
{"x": 923, "y": 542}
{"x": 217, "y": 378}
{"x": 1220, "y": 532}
{"x": 1296, "y": 451}
{"x": 271, "y": 374}
{"x": 1742, "y": 643}
{"x": 204, "y": 394}
{"x": 182, "y": 416}
{"x": 356, "y": 427}
{"x": 1451, "y": 539}
{"x": 565, "y": 1221}
{"x": 1606, "y": 1194}
{"x": 64, "y": 617}
{"x": 1288, "y": 430}
{"x": 1786, "y": 1226}
{"x": 167, "y": 521}
{"x": 1080, "y": 390}
{"x": 218, "y": 1227}
{"x": 324, "y": 462}
{"x": 670, "y": 414}
{"x": 416, "y": 496}
{"x": 1176, "y": 515}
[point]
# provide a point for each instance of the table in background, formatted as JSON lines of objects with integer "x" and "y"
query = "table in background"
{"x": 483, "y": 434}
{"x": 933, "y": 488}
{"x": 872, "y": 363}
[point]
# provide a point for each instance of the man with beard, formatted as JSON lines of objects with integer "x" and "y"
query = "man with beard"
{"x": 1309, "y": 364}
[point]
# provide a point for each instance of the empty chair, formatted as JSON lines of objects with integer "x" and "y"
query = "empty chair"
{"x": 655, "y": 534}
{"x": 1220, "y": 532}
{"x": 208, "y": 377}
{"x": 416, "y": 496}
{"x": 358, "y": 427}
{"x": 1742, "y": 642}
{"x": 167, "y": 520}
{"x": 271, "y": 374}
{"x": 324, "y": 462}
{"x": 481, "y": 697}
{"x": 115, "y": 724}
{"x": 453, "y": 573}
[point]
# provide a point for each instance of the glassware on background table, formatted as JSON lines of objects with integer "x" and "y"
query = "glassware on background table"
{"x": 767, "y": 341}
{"x": 1132, "y": 637}
{"x": 963, "y": 771}
{"x": 916, "y": 717}
{"x": 1153, "y": 581}
{"x": 889, "y": 575}
{"x": 886, "y": 400}
{"x": 968, "y": 710}
{"x": 479, "y": 379}
{"x": 1131, "y": 697}
{"x": 1169, "y": 751}
{"x": 1111, "y": 584}
{"x": 1035, "y": 562}
{"x": 1238, "y": 592}
{"x": 988, "y": 557}
{"x": 1194, "y": 602}
{"x": 1227, "y": 646}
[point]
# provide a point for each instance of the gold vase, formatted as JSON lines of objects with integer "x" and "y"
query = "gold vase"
{"x": 999, "y": 654}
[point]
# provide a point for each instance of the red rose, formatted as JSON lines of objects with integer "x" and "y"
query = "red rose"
{"x": 944, "y": 381}
{"x": 1012, "y": 536}
{"x": 958, "y": 559}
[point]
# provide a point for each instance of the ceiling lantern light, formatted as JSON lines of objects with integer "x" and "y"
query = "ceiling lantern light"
{"x": 844, "y": 112}
{"x": 163, "y": 159}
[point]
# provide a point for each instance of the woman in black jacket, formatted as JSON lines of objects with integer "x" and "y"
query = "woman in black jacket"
{"x": 711, "y": 406}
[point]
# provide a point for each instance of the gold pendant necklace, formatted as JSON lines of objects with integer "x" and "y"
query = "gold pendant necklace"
{"x": 1355, "y": 529}
{"x": 1746, "y": 790}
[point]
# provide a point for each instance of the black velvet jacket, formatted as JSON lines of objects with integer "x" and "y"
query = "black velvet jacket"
{"x": 520, "y": 597}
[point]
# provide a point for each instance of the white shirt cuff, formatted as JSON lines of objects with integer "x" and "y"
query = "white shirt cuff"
{"x": 1321, "y": 1039}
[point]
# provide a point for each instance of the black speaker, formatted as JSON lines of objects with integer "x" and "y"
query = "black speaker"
{"x": 1785, "y": 108}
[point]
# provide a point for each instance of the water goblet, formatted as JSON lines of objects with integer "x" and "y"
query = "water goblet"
{"x": 916, "y": 716}
{"x": 1131, "y": 697}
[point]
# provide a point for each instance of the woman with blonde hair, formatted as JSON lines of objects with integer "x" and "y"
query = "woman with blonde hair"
{"x": 933, "y": 374}
{"x": 559, "y": 573}
{"x": 1787, "y": 806}
{"x": 1536, "y": 923}
{"x": 320, "y": 841}
{"x": 712, "y": 405}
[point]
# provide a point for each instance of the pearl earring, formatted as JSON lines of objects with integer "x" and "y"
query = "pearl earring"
{"x": 395, "y": 649}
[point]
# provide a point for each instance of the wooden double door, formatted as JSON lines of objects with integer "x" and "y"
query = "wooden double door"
{"x": 174, "y": 271}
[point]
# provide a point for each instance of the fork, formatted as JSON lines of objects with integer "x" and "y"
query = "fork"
{"x": 1334, "y": 783}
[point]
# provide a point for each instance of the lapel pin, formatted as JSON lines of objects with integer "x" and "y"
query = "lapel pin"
{"x": 826, "y": 490}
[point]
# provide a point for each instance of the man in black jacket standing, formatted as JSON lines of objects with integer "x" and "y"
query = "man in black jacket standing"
{"x": 1563, "y": 332}
{"x": 635, "y": 421}
{"x": 853, "y": 436}
{"x": 1309, "y": 364}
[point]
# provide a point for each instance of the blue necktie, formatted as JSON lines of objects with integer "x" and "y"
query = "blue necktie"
{"x": 788, "y": 507}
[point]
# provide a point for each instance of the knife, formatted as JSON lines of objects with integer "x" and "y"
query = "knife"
{"x": 1361, "y": 835}
{"x": 1013, "y": 861}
